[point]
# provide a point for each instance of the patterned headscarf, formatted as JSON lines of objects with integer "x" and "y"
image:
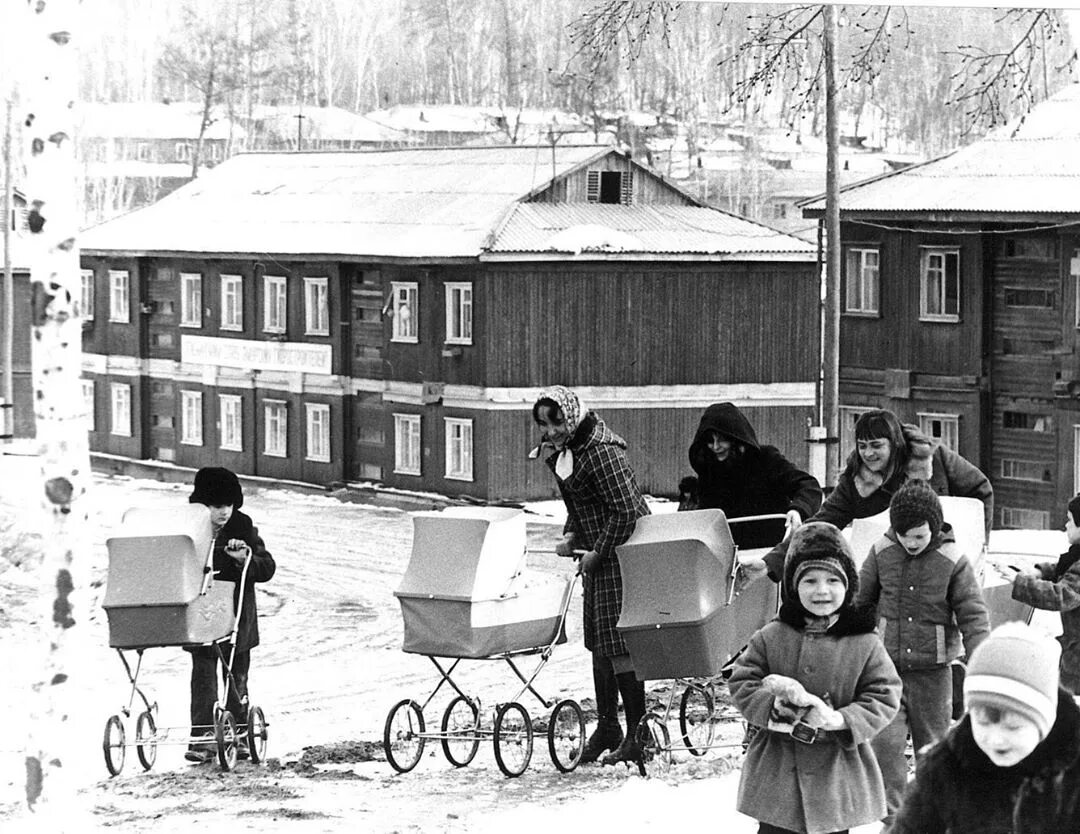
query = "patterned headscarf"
{"x": 574, "y": 411}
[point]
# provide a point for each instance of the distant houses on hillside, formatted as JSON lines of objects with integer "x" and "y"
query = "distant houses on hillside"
{"x": 390, "y": 316}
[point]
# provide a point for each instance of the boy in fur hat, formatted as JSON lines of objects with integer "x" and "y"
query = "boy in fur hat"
{"x": 1056, "y": 587}
{"x": 927, "y": 598}
{"x": 1012, "y": 764}
{"x": 235, "y": 539}
{"x": 818, "y": 679}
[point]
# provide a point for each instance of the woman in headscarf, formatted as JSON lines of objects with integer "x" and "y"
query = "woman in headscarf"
{"x": 603, "y": 503}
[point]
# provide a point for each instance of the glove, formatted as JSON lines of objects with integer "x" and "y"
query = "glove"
{"x": 787, "y": 690}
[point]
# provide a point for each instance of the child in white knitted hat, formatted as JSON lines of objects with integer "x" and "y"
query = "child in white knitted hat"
{"x": 1013, "y": 761}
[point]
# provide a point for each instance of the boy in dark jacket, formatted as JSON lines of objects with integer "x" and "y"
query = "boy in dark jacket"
{"x": 1056, "y": 587}
{"x": 741, "y": 477}
{"x": 1012, "y": 764}
{"x": 235, "y": 538}
{"x": 927, "y": 597}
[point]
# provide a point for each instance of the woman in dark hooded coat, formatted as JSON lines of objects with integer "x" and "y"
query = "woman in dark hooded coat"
{"x": 740, "y": 476}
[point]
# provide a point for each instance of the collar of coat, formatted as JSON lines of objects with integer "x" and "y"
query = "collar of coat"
{"x": 852, "y": 619}
{"x": 1059, "y": 751}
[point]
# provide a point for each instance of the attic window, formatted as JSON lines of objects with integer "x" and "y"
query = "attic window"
{"x": 614, "y": 187}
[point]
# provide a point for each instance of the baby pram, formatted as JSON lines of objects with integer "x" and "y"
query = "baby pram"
{"x": 467, "y": 595}
{"x": 161, "y": 591}
{"x": 683, "y": 618}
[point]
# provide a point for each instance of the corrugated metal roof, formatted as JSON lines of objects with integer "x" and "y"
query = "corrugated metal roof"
{"x": 1031, "y": 166}
{"x": 430, "y": 202}
{"x": 655, "y": 229}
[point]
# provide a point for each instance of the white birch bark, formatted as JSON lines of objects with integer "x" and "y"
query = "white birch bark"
{"x": 45, "y": 94}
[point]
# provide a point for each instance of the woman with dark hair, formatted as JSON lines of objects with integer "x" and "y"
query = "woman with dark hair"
{"x": 603, "y": 504}
{"x": 886, "y": 454}
{"x": 742, "y": 477}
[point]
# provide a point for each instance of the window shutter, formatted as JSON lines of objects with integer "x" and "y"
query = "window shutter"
{"x": 626, "y": 189}
{"x": 592, "y": 186}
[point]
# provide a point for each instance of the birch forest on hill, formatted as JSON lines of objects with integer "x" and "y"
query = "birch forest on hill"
{"x": 681, "y": 61}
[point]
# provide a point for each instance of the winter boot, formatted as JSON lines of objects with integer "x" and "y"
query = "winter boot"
{"x": 608, "y": 733}
{"x": 607, "y": 736}
{"x": 633, "y": 695}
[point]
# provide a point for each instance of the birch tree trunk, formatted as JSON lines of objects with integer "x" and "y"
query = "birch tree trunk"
{"x": 46, "y": 90}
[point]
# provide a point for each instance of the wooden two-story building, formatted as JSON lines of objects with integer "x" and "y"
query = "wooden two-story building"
{"x": 961, "y": 306}
{"x": 391, "y": 315}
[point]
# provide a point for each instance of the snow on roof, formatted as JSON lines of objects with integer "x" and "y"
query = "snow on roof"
{"x": 580, "y": 228}
{"x": 148, "y": 120}
{"x": 325, "y": 123}
{"x": 436, "y": 118}
{"x": 1031, "y": 166}
{"x": 425, "y": 202}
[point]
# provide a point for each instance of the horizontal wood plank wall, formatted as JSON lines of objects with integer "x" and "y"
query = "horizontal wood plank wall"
{"x": 658, "y": 441}
{"x": 1038, "y": 447}
{"x": 1026, "y": 339}
{"x": 648, "y": 188}
{"x": 897, "y": 338}
{"x": 630, "y": 325}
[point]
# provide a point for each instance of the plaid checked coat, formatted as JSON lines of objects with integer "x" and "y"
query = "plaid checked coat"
{"x": 603, "y": 502}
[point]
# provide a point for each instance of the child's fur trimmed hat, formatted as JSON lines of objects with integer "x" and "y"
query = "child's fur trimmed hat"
{"x": 1016, "y": 668}
{"x": 913, "y": 504}
{"x": 1074, "y": 509}
{"x": 818, "y": 544}
{"x": 216, "y": 486}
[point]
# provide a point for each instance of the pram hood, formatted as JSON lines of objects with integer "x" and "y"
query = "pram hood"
{"x": 159, "y": 556}
{"x": 465, "y": 553}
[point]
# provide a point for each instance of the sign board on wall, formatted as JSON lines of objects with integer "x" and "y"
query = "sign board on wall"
{"x": 250, "y": 354}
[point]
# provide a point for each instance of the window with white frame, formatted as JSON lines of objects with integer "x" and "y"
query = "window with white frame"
{"x": 119, "y": 295}
{"x": 1074, "y": 271}
{"x": 121, "y": 409}
{"x": 191, "y": 299}
{"x": 407, "y": 444}
{"x": 459, "y": 313}
{"x": 191, "y": 418}
{"x": 316, "y": 306}
{"x": 939, "y": 288}
{"x": 404, "y": 298}
{"x": 88, "y": 404}
{"x": 863, "y": 291}
{"x": 232, "y": 302}
{"x": 459, "y": 449}
{"x": 231, "y": 429}
{"x": 849, "y": 416}
{"x": 274, "y": 308}
{"x": 86, "y": 283}
{"x": 1013, "y": 518}
{"x": 182, "y": 152}
{"x": 275, "y": 428}
{"x": 944, "y": 428}
{"x": 318, "y": 432}
{"x": 1025, "y": 470}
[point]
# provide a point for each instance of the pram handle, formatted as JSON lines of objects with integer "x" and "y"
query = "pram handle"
{"x": 574, "y": 554}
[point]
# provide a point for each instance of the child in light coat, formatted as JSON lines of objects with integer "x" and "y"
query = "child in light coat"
{"x": 820, "y": 683}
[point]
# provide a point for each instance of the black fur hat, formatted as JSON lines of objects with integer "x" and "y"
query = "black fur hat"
{"x": 216, "y": 486}
{"x": 820, "y": 542}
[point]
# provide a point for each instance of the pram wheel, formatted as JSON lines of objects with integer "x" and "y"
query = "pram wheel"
{"x": 146, "y": 739}
{"x": 513, "y": 739}
{"x": 566, "y": 733}
{"x": 460, "y": 726}
{"x": 113, "y": 745}
{"x": 256, "y": 734}
{"x": 403, "y": 740}
{"x": 696, "y": 718}
{"x": 655, "y": 743}
{"x": 225, "y": 736}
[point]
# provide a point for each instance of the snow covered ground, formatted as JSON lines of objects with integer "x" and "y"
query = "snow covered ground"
{"x": 328, "y": 671}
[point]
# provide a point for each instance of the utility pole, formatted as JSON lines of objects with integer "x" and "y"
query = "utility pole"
{"x": 830, "y": 393}
{"x": 7, "y": 356}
